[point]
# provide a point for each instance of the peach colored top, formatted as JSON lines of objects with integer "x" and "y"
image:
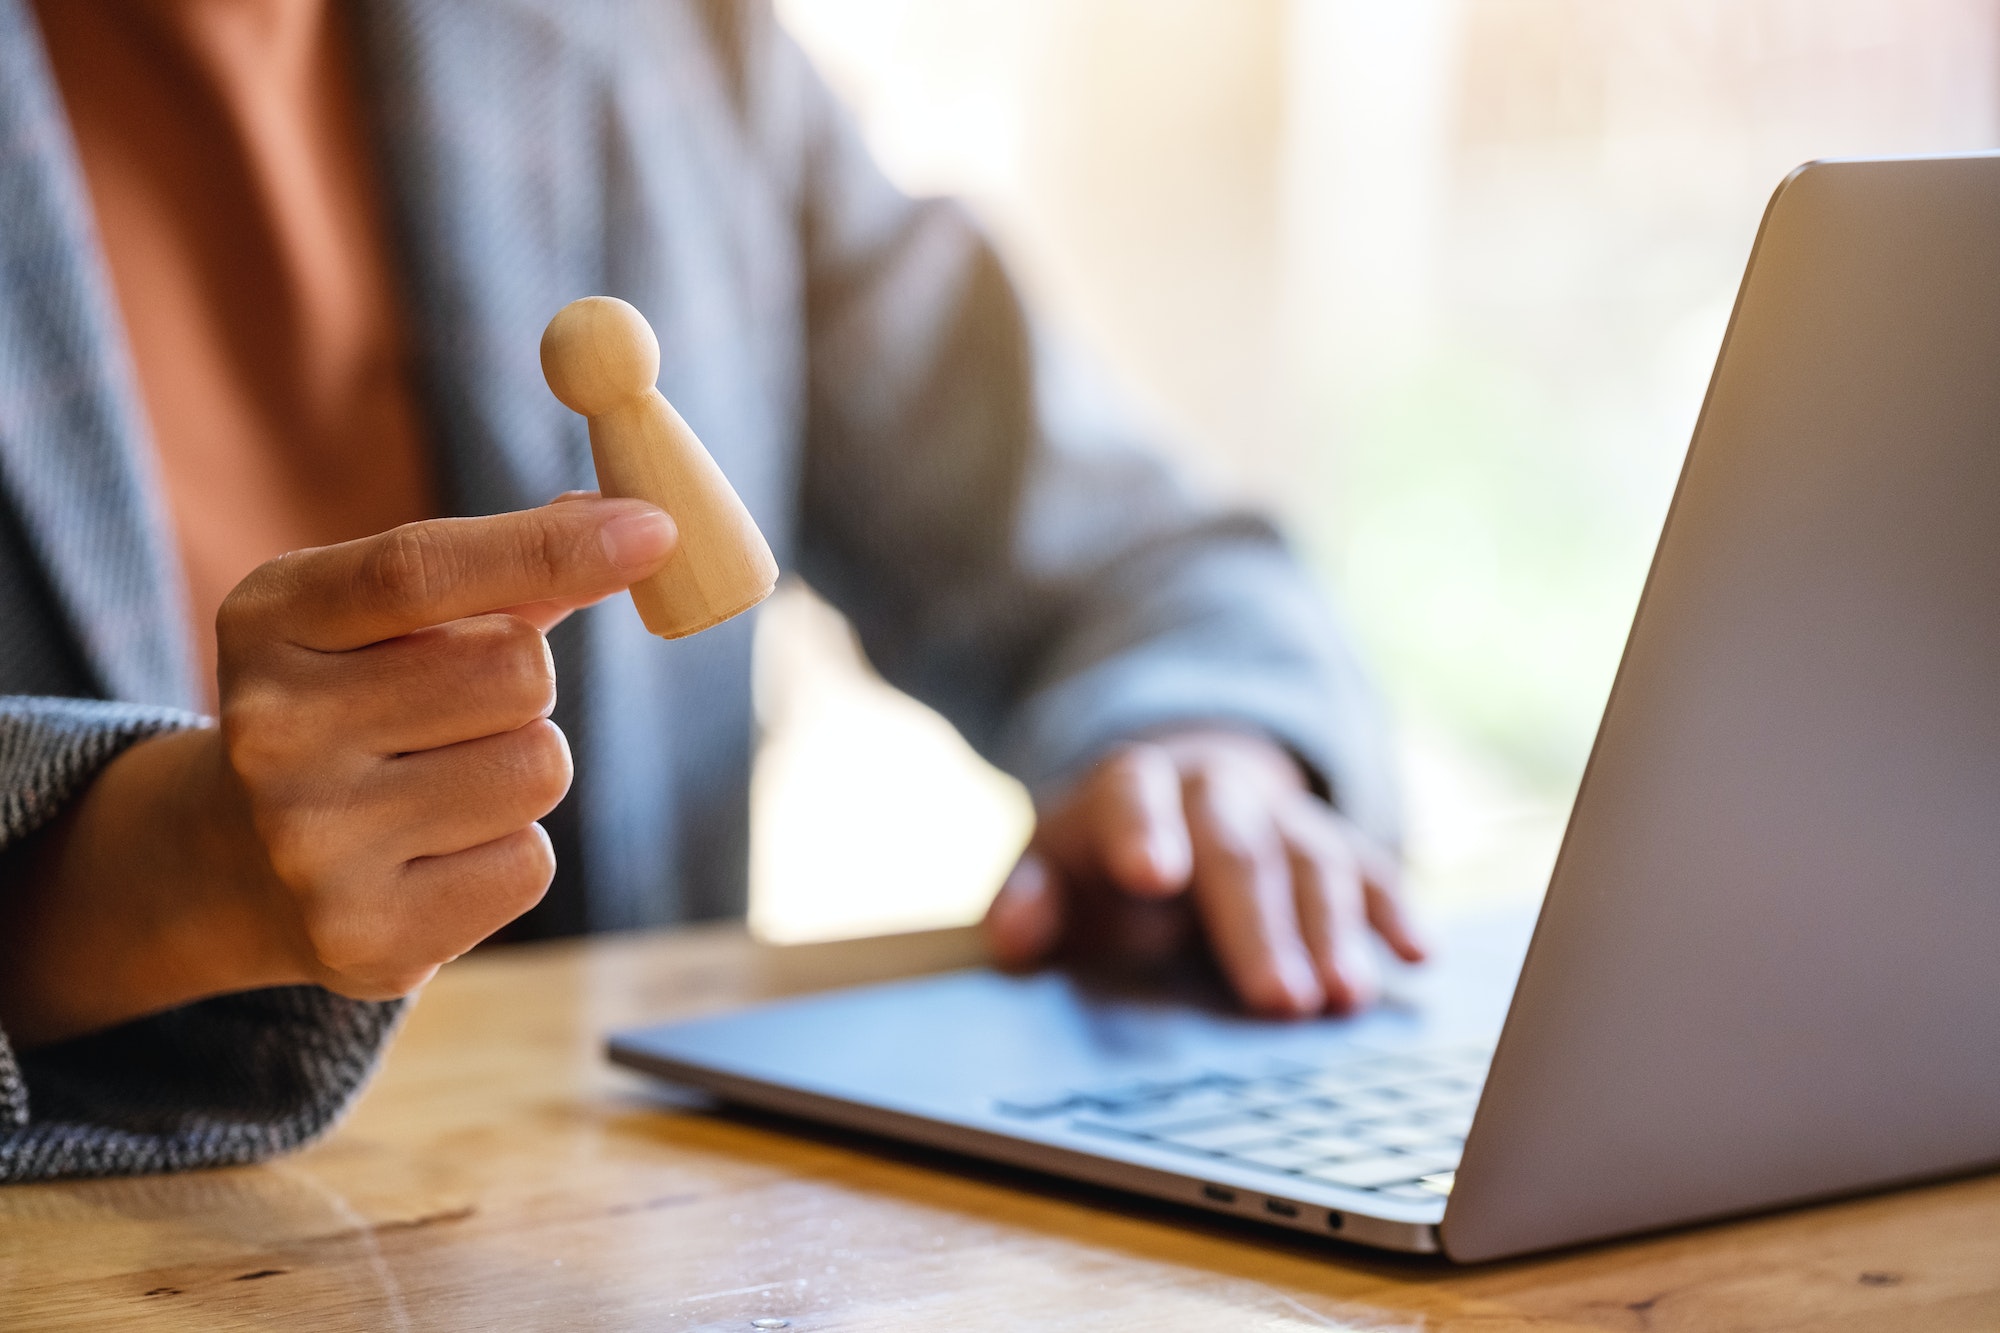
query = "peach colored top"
{"x": 226, "y": 152}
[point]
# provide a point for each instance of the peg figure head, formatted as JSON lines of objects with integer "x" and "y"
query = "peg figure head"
{"x": 599, "y": 352}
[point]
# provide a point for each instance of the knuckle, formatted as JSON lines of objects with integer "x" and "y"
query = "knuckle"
{"x": 546, "y": 767}
{"x": 504, "y": 664}
{"x": 533, "y": 770}
{"x": 1200, "y": 788}
{"x": 1126, "y": 776}
{"x": 294, "y": 843}
{"x": 351, "y": 944}
{"x": 500, "y": 880}
{"x": 247, "y": 604}
{"x": 1310, "y": 820}
{"x": 531, "y": 867}
{"x": 236, "y": 618}
{"x": 1330, "y": 859}
{"x": 1122, "y": 766}
{"x": 522, "y": 662}
{"x": 544, "y": 551}
{"x": 506, "y": 877}
{"x": 404, "y": 569}
{"x": 257, "y": 734}
{"x": 363, "y": 938}
{"x": 1229, "y": 850}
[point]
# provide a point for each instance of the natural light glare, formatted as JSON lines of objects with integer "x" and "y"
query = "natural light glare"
{"x": 1441, "y": 280}
{"x": 872, "y": 816}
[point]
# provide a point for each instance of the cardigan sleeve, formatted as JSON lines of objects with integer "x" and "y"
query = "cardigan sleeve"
{"x": 1009, "y": 541}
{"x": 233, "y": 1079}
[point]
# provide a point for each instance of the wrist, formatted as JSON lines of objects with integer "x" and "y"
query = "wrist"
{"x": 226, "y": 923}
{"x": 149, "y": 892}
{"x": 1193, "y": 746}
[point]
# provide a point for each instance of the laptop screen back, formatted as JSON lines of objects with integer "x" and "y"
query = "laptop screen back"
{"x": 1769, "y": 965}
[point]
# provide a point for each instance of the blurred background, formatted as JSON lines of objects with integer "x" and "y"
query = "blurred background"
{"x": 1441, "y": 281}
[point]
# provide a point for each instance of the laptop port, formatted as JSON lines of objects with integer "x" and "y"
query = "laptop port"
{"x": 1334, "y": 1221}
{"x": 1218, "y": 1193}
{"x": 1281, "y": 1208}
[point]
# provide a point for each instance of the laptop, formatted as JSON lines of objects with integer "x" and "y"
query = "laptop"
{"x": 1766, "y": 970}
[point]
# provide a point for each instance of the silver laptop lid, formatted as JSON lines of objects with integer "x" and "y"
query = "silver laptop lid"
{"x": 1768, "y": 968}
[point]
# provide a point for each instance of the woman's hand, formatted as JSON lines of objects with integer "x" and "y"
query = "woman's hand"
{"x": 1213, "y": 831}
{"x": 367, "y": 808}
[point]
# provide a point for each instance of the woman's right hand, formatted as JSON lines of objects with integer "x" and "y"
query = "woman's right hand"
{"x": 366, "y": 809}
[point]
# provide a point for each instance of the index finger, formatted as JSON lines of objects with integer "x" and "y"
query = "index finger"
{"x": 356, "y": 593}
{"x": 1129, "y": 815}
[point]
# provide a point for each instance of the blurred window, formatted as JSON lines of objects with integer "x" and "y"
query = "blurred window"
{"x": 1441, "y": 279}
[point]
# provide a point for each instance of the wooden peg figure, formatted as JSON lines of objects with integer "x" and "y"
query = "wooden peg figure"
{"x": 601, "y": 359}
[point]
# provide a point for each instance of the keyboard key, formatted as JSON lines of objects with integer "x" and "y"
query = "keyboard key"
{"x": 1031, "y": 1106}
{"x": 1397, "y": 1134}
{"x": 1129, "y": 1095}
{"x": 1195, "y": 1107}
{"x": 1411, "y": 1192}
{"x": 1367, "y": 1173}
{"x": 1274, "y": 1091}
{"x": 1336, "y": 1142}
{"x": 1458, "y": 1102}
{"x": 1451, "y": 1059}
{"x": 1224, "y": 1135}
{"x": 1316, "y": 1111}
{"x": 1283, "y": 1155}
{"x": 1376, "y": 1099}
{"x": 1216, "y": 1078}
{"x": 1339, "y": 1078}
{"x": 1453, "y": 1124}
{"x": 1403, "y": 1113}
{"x": 1110, "y": 1129}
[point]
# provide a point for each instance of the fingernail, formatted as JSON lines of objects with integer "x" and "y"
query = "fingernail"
{"x": 639, "y": 538}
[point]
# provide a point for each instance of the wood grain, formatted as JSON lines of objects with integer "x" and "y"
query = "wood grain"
{"x": 500, "y": 1175}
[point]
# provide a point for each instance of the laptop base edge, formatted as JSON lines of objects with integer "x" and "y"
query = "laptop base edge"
{"x": 1272, "y": 1210}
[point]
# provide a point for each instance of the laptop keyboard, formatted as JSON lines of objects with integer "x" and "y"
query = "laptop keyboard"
{"x": 1390, "y": 1124}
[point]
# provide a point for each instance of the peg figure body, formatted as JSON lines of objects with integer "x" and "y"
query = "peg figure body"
{"x": 602, "y": 360}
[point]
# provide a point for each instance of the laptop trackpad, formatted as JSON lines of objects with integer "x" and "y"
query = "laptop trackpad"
{"x": 960, "y": 1043}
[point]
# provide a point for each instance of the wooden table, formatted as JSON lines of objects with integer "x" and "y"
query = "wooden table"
{"x": 500, "y": 1175}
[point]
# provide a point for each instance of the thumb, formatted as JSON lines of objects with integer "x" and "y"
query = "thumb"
{"x": 1025, "y": 922}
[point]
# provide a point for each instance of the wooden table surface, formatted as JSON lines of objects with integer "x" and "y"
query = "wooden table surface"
{"x": 500, "y": 1175}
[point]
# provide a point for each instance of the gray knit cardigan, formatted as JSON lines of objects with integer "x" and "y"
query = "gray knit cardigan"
{"x": 1008, "y": 547}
